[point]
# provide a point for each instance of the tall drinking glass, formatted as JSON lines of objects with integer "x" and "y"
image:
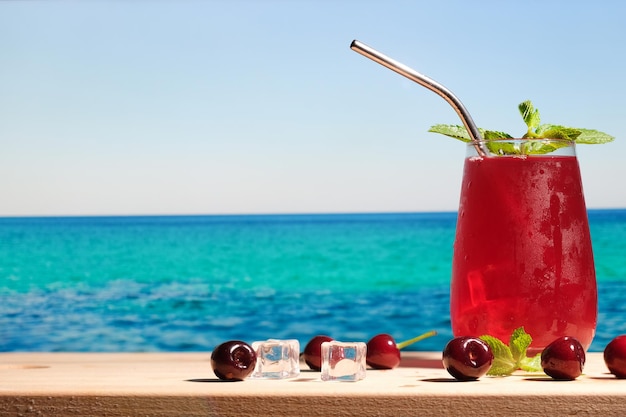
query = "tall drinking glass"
{"x": 522, "y": 253}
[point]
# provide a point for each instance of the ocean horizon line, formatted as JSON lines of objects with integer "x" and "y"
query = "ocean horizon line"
{"x": 258, "y": 214}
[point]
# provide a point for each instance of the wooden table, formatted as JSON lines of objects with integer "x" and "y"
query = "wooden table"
{"x": 183, "y": 384}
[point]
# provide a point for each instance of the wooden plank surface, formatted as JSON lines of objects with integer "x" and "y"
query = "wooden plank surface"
{"x": 183, "y": 384}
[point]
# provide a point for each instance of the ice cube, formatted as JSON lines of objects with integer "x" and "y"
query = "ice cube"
{"x": 343, "y": 361}
{"x": 276, "y": 359}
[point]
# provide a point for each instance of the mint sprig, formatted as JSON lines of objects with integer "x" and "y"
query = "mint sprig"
{"x": 534, "y": 130}
{"x": 531, "y": 117}
{"x": 509, "y": 358}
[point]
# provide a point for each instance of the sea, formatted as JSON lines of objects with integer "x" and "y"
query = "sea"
{"x": 188, "y": 283}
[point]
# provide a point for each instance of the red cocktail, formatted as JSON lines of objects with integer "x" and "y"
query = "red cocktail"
{"x": 522, "y": 254}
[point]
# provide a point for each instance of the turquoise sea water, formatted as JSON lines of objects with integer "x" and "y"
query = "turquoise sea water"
{"x": 179, "y": 283}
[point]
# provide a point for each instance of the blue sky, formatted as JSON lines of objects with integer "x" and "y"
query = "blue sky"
{"x": 190, "y": 107}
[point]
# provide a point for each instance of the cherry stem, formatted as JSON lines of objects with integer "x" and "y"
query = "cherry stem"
{"x": 409, "y": 342}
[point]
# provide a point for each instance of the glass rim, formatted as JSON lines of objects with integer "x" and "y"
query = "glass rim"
{"x": 483, "y": 141}
{"x": 521, "y": 147}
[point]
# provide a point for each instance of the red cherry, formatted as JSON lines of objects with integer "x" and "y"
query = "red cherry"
{"x": 467, "y": 358}
{"x": 382, "y": 352}
{"x": 233, "y": 360}
{"x": 312, "y": 353}
{"x": 615, "y": 356}
{"x": 563, "y": 359}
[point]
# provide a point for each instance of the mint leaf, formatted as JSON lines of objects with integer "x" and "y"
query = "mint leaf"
{"x": 590, "y": 136}
{"x": 459, "y": 132}
{"x": 494, "y": 135}
{"x": 531, "y": 364}
{"x": 503, "y": 148}
{"x": 531, "y": 117}
{"x": 538, "y": 148}
{"x": 557, "y": 132}
{"x": 503, "y": 361}
{"x": 541, "y": 147}
{"x": 454, "y": 131}
{"x": 586, "y": 136}
{"x": 508, "y": 359}
{"x": 519, "y": 342}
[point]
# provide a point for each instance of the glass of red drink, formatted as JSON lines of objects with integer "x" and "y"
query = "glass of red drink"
{"x": 522, "y": 253}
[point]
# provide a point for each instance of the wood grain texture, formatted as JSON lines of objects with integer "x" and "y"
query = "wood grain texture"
{"x": 183, "y": 384}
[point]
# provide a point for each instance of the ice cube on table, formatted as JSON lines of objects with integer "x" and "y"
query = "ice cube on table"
{"x": 276, "y": 359}
{"x": 343, "y": 361}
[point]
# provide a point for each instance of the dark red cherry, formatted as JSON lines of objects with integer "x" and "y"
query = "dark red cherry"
{"x": 382, "y": 352}
{"x": 563, "y": 359}
{"x": 467, "y": 358}
{"x": 233, "y": 360}
{"x": 615, "y": 356}
{"x": 312, "y": 353}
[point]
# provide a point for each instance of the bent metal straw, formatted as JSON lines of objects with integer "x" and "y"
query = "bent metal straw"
{"x": 429, "y": 83}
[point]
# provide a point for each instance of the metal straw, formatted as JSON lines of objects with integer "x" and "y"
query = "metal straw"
{"x": 427, "y": 82}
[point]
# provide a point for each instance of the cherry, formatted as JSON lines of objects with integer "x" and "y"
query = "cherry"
{"x": 312, "y": 353}
{"x": 384, "y": 353}
{"x": 467, "y": 358}
{"x": 233, "y": 360}
{"x": 563, "y": 359}
{"x": 615, "y": 356}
